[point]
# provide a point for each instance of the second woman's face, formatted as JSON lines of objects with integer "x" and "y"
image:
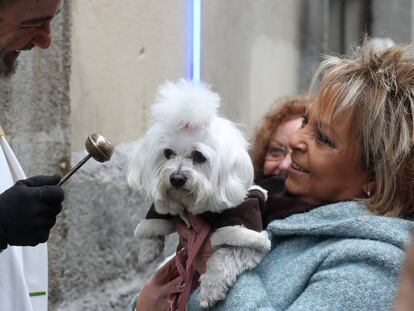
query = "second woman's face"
{"x": 277, "y": 160}
{"x": 326, "y": 161}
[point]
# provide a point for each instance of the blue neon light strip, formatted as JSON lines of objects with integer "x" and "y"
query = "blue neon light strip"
{"x": 196, "y": 40}
{"x": 189, "y": 45}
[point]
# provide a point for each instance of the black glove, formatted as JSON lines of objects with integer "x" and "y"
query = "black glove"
{"x": 28, "y": 210}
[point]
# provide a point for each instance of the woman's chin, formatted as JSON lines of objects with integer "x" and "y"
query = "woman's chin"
{"x": 292, "y": 187}
{"x": 299, "y": 191}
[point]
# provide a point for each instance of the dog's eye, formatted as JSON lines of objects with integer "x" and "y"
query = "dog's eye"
{"x": 198, "y": 157}
{"x": 168, "y": 153}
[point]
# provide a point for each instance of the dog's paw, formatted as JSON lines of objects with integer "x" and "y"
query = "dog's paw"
{"x": 149, "y": 249}
{"x": 212, "y": 290}
{"x": 222, "y": 270}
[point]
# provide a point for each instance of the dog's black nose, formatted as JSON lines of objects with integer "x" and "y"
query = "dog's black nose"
{"x": 177, "y": 180}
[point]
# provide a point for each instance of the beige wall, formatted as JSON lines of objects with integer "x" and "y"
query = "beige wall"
{"x": 121, "y": 52}
{"x": 251, "y": 53}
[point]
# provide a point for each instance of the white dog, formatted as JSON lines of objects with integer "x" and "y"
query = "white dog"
{"x": 193, "y": 160}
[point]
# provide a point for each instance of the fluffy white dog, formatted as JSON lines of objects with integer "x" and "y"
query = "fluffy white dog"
{"x": 193, "y": 160}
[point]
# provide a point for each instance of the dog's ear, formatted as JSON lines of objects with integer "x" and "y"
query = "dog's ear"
{"x": 137, "y": 169}
{"x": 235, "y": 175}
{"x": 236, "y": 179}
{"x": 142, "y": 164}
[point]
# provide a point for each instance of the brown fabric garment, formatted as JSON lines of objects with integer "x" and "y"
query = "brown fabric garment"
{"x": 247, "y": 214}
{"x": 280, "y": 204}
{"x": 153, "y": 214}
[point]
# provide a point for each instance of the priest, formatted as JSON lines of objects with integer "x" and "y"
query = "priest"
{"x": 28, "y": 206}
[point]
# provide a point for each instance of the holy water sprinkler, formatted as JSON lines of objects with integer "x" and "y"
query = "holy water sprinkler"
{"x": 98, "y": 147}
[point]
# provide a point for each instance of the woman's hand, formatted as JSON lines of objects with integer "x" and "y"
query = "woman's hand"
{"x": 153, "y": 296}
{"x": 197, "y": 223}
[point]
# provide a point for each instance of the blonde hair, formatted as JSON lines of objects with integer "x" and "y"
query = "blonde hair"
{"x": 282, "y": 110}
{"x": 375, "y": 89}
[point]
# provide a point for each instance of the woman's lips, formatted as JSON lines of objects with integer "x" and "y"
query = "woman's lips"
{"x": 297, "y": 168}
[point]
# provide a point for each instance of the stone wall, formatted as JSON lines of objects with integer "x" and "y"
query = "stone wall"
{"x": 96, "y": 265}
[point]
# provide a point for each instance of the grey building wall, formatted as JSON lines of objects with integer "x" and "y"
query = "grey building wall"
{"x": 329, "y": 27}
{"x": 337, "y": 26}
{"x": 393, "y": 19}
{"x": 250, "y": 54}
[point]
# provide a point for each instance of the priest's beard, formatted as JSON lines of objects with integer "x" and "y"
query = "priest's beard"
{"x": 7, "y": 66}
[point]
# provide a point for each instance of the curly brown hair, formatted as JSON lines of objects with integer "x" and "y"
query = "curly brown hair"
{"x": 283, "y": 110}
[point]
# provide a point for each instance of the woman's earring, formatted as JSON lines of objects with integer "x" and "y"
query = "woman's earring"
{"x": 368, "y": 194}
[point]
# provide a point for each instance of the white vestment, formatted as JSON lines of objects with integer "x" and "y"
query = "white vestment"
{"x": 23, "y": 270}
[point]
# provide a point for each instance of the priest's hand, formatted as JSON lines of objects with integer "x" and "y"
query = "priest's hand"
{"x": 28, "y": 210}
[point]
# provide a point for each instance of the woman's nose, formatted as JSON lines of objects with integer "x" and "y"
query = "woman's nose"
{"x": 297, "y": 141}
{"x": 284, "y": 165}
{"x": 43, "y": 37}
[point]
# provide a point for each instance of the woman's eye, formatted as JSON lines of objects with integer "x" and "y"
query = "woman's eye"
{"x": 168, "y": 153}
{"x": 276, "y": 151}
{"x": 325, "y": 140}
{"x": 304, "y": 121}
{"x": 198, "y": 157}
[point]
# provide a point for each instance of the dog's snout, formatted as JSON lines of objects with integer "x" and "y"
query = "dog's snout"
{"x": 177, "y": 180}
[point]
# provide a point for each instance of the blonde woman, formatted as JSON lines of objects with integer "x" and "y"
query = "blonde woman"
{"x": 353, "y": 160}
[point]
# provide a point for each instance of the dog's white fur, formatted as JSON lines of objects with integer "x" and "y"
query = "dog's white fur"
{"x": 240, "y": 236}
{"x": 222, "y": 270}
{"x": 151, "y": 233}
{"x": 186, "y": 123}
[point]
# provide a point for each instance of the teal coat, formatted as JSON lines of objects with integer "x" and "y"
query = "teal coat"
{"x": 335, "y": 257}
